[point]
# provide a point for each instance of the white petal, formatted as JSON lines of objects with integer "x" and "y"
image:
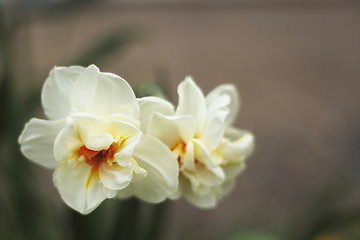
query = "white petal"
{"x": 225, "y": 188}
{"x": 208, "y": 200}
{"x": 204, "y": 171}
{"x": 210, "y": 177}
{"x": 216, "y": 98}
{"x": 172, "y": 129}
{"x": 124, "y": 118}
{"x": 188, "y": 159}
{"x": 203, "y": 154}
{"x": 99, "y": 142}
{"x": 149, "y": 105}
{"x": 127, "y": 148}
{"x": 57, "y": 89}
{"x": 37, "y": 141}
{"x": 162, "y": 168}
{"x": 239, "y": 145}
{"x": 232, "y": 170}
{"x": 214, "y": 130}
{"x": 120, "y": 129}
{"x": 110, "y": 193}
{"x": 126, "y": 192}
{"x": 192, "y": 102}
{"x": 79, "y": 187}
{"x": 115, "y": 177}
{"x": 103, "y": 94}
{"x": 138, "y": 172}
{"x": 67, "y": 142}
{"x": 88, "y": 126}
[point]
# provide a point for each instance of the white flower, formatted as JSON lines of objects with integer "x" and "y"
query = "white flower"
{"x": 210, "y": 153}
{"x": 94, "y": 142}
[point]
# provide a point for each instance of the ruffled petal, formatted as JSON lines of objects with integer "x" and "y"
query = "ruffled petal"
{"x": 162, "y": 168}
{"x": 192, "y": 102}
{"x": 115, "y": 177}
{"x": 214, "y": 129}
{"x": 238, "y": 145}
{"x": 103, "y": 94}
{"x": 232, "y": 170}
{"x": 210, "y": 177}
{"x": 207, "y": 200}
{"x": 149, "y": 105}
{"x": 202, "y": 154}
{"x": 78, "y": 186}
{"x": 67, "y": 142}
{"x": 172, "y": 129}
{"x": 127, "y": 148}
{"x": 209, "y": 197}
{"x": 225, "y": 95}
{"x": 88, "y": 127}
{"x": 57, "y": 89}
{"x": 37, "y": 141}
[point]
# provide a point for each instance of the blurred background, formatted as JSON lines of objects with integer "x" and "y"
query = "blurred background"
{"x": 297, "y": 67}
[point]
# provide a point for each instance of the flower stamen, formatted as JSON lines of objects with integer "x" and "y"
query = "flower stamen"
{"x": 180, "y": 150}
{"x": 96, "y": 158}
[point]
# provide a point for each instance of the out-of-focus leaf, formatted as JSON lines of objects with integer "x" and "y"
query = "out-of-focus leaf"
{"x": 114, "y": 42}
{"x": 354, "y": 232}
{"x": 149, "y": 89}
{"x": 253, "y": 236}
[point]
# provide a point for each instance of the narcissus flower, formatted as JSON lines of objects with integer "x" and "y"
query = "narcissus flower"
{"x": 210, "y": 153}
{"x": 93, "y": 141}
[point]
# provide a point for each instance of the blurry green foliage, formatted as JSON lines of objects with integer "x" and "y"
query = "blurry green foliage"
{"x": 256, "y": 235}
{"x": 149, "y": 89}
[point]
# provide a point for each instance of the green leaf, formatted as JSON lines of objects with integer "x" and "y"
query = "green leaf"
{"x": 149, "y": 89}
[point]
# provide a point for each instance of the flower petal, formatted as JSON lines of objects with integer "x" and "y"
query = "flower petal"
{"x": 208, "y": 200}
{"x": 214, "y": 129}
{"x": 192, "y": 102}
{"x": 172, "y": 129}
{"x": 115, "y": 177}
{"x": 232, "y": 170}
{"x": 67, "y": 142}
{"x": 149, "y": 105}
{"x": 121, "y": 129}
{"x": 92, "y": 130}
{"x": 210, "y": 177}
{"x": 238, "y": 146}
{"x": 37, "y": 141}
{"x": 216, "y": 98}
{"x": 103, "y": 94}
{"x": 57, "y": 89}
{"x": 99, "y": 142}
{"x": 78, "y": 186}
{"x": 188, "y": 159}
{"x": 127, "y": 148}
{"x": 202, "y": 154}
{"x": 162, "y": 168}
{"x": 88, "y": 126}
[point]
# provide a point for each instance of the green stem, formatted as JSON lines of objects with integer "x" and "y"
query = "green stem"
{"x": 157, "y": 221}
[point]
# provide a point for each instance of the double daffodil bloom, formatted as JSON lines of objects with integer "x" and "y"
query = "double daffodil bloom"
{"x": 209, "y": 152}
{"x": 93, "y": 141}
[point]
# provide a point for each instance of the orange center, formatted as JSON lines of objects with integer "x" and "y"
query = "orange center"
{"x": 96, "y": 158}
{"x": 180, "y": 150}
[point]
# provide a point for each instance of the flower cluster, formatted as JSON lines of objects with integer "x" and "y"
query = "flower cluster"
{"x": 105, "y": 143}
